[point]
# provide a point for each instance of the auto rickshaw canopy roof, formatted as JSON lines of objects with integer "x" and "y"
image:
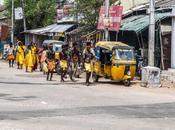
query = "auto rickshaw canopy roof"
{"x": 51, "y": 42}
{"x": 109, "y": 45}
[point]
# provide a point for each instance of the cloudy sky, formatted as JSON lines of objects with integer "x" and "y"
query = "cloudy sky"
{"x": 1, "y": 2}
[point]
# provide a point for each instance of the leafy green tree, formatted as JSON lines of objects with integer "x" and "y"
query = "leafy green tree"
{"x": 89, "y": 11}
{"x": 38, "y": 13}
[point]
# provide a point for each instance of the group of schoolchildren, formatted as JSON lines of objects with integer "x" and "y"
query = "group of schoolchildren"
{"x": 69, "y": 59}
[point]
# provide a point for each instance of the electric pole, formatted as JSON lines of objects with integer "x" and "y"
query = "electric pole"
{"x": 173, "y": 40}
{"x": 76, "y": 18}
{"x": 107, "y": 18}
{"x": 24, "y": 18}
{"x": 12, "y": 20}
{"x": 151, "y": 48}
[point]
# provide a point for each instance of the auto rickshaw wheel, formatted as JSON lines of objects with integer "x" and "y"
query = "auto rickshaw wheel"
{"x": 127, "y": 82}
{"x": 95, "y": 77}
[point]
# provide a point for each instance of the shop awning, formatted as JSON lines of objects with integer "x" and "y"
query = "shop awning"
{"x": 141, "y": 22}
{"x": 60, "y": 28}
{"x": 54, "y": 28}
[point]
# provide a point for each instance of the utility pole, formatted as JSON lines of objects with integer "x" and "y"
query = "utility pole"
{"x": 76, "y": 18}
{"x": 24, "y": 18}
{"x": 106, "y": 17}
{"x": 173, "y": 40}
{"x": 151, "y": 34}
{"x": 12, "y": 20}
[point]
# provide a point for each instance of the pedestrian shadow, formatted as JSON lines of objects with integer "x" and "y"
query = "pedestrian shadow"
{"x": 96, "y": 83}
{"x": 119, "y": 83}
{"x": 77, "y": 82}
{"x": 72, "y": 83}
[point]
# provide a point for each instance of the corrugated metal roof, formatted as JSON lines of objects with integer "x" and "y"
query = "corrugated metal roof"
{"x": 140, "y": 23}
{"x": 61, "y": 28}
{"x": 54, "y": 28}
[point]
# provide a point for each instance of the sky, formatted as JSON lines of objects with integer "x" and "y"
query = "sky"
{"x": 1, "y": 2}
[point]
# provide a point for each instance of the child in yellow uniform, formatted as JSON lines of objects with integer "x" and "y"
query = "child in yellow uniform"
{"x": 35, "y": 56}
{"x": 29, "y": 60}
{"x": 21, "y": 55}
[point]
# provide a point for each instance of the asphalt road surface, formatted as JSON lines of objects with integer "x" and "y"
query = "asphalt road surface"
{"x": 29, "y": 102}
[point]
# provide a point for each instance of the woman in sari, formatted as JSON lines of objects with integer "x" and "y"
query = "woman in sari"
{"x": 29, "y": 60}
{"x": 21, "y": 55}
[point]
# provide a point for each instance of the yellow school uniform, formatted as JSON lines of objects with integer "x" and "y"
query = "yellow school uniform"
{"x": 20, "y": 55}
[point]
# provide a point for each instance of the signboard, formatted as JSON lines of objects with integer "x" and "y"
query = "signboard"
{"x": 4, "y": 32}
{"x": 18, "y": 13}
{"x": 60, "y": 14}
{"x": 67, "y": 9}
{"x": 63, "y": 13}
{"x": 114, "y": 21}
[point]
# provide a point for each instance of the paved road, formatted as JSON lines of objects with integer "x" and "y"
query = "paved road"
{"x": 28, "y": 102}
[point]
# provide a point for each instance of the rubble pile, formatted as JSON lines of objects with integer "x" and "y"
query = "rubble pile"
{"x": 168, "y": 78}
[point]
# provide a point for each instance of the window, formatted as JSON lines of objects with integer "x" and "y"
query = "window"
{"x": 124, "y": 54}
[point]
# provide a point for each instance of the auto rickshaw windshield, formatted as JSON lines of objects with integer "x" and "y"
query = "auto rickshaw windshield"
{"x": 124, "y": 54}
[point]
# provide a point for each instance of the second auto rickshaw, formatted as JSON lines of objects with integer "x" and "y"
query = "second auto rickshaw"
{"x": 115, "y": 61}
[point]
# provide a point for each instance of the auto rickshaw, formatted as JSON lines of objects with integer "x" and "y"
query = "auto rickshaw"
{"x": 115, "y": 61}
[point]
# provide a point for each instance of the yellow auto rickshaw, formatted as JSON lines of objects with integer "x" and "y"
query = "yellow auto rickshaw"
{"x": 115, "y": 61}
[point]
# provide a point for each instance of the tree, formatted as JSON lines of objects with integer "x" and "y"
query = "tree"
{"x": 89, "y": 11}
{"x": 38, "y": 13}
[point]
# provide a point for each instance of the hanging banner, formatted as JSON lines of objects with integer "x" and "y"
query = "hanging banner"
{"x": 64, "y": 12}
{"x": 18, "y": 13}
{"x": 113, "y": 22}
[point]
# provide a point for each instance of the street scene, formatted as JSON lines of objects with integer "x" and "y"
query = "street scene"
{"x": 87, "y": 65}
{"x": 29, "y": 102}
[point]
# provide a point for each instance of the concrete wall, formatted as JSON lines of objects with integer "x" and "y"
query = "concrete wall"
{"x": 128, "y": 4}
